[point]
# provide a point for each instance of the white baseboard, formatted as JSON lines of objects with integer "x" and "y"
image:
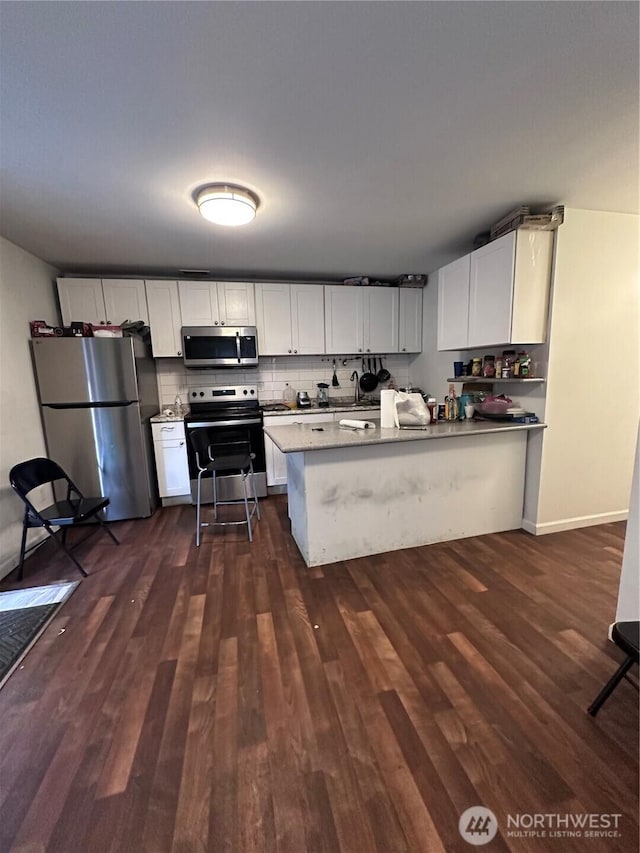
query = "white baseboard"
{"x": 573, "y": 523}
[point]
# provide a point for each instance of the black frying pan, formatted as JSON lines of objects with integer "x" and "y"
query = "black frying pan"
{"x": 383, "y": 373}
{"x": 368, "y": 380}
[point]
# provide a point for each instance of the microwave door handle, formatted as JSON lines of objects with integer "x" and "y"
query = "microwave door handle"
{"x": 238, "y": 347}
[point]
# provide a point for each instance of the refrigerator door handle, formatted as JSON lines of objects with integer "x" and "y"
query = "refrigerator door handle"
{"x": 115, "y": 404}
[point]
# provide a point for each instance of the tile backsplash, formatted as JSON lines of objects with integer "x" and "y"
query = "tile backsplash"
{"x": 302, "y": 372}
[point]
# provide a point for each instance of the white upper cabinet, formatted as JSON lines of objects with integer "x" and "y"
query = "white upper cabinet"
{"x": 99, "y": 301}
{"x": 453, "y": 304}
{"x": 164, "y": 318}
{"x": 273, "y": 319}
{"x": 381, "y": 319}
{"x": 361, "y": 319}
{"x": 125, "y": 300}
{"x": 290, "y": 318}
{"x": 343, "y": 315}
{"x": 217, "y": 303}
{"x": 507, "y": 293}
{"x": 307, "y": 318}
{"x": 410, "y": 329}
{"x": 236, "y": 303}
{"x": 81, "y": 301}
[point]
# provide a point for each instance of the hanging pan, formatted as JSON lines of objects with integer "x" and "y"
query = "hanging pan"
{"x": 368, "y": 380}
{"x": 383, "y": 373}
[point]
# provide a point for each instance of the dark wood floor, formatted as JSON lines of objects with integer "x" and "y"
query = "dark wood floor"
{"x": 229, "y": 699}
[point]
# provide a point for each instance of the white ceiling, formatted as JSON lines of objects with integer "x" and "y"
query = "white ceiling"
{"x": 381, "y": 137}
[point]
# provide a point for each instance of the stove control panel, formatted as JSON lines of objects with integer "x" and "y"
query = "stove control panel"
{"x": 223, "y": 393}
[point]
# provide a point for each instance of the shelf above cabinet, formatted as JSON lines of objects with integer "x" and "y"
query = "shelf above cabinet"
{"x": 516, "y": 380}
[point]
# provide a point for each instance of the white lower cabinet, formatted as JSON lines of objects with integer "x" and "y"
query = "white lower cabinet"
{"x": 170, "y": 449}
{"x": 277, "y": 461}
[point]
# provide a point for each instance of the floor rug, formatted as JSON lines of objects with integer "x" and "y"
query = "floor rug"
{"x": 24, "y": 614}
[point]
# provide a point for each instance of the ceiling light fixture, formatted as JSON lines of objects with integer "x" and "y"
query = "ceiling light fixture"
{"x": 226, "y": 204}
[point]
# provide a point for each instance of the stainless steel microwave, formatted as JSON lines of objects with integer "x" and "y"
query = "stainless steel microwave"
{"x": 219, "y": 346}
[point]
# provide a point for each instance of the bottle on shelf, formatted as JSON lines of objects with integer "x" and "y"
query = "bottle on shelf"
{"x": 521, "y": 367}
{"x": 451, "y": 405}
{"x": 489, "y": 366}
{"x": 508, "y": 360}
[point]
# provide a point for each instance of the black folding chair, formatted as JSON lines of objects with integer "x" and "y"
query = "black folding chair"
{"x": 625, "y": 636}
{"x": 70, "y": 512}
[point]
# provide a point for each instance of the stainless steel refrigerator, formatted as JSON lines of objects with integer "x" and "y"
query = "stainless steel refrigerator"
{"x": 97, "y": 396}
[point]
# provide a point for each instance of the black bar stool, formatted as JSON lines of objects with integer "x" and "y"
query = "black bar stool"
{"x": 230, "y": 453}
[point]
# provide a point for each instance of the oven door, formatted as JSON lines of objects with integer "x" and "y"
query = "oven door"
{"x": 219, "y": 346}
{"x": 229, "y": 485}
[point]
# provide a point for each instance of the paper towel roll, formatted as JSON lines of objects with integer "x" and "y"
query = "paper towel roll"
{"x": 357, "y": 424}
{"x": 387, "y": 409}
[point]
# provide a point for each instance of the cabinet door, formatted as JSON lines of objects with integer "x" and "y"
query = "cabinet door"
{"x": 273, "y": 316}
{"x": 164, "y": 318}
{"x": 410, "y": 332}
{"x": 172, "y": 467}
{"x": 276, "y": 460}
{"x": 236, "y": 303}
{"x": 198, "y": 303}
{"x": 380, "y": 319}
{"x": 343, "y": 313}
{"x": 491, "y": 292}
{"x": 81, "y": 301}
{"x": 125, "y": 300}
{"x": 307, "y": 318}
{"x": 453, "y": 304}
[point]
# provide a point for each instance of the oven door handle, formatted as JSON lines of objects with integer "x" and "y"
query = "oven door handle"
{"x": 238, "y": 347}
{"x": 211, "y": 424}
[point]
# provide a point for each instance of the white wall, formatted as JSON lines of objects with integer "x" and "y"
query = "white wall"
{"x": 628, "y": 609}
{"x": 26, "y": 293}
{"x": 302, "y": 372}
{"x": 584, "y": 459}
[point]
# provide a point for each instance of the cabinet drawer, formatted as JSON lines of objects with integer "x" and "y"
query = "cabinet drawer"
{"x": 167, "y": 430}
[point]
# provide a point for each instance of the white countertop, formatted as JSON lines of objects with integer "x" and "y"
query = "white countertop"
{"x": 298, "y": 437}
{"x": 163, "y": 419}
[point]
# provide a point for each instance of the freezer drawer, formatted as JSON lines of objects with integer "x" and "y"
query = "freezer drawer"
{"x": 105, "y": 452}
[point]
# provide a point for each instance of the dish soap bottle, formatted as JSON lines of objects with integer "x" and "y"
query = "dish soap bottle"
{"x": 178, "y": 406}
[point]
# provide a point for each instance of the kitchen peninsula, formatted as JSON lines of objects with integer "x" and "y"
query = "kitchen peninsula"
{"x": 356, "y": 493}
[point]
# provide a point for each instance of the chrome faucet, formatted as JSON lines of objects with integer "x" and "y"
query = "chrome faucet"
{"x": 354, "y": 376}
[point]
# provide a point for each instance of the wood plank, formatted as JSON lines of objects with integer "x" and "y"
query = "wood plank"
{"x": 191, "y": 703}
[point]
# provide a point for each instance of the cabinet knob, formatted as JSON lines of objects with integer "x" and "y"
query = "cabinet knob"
{"x": 179, "y": 352}
{"x": 368, "y": 350}
{"x": 102, "y": 322}
{"x": 181, "y": 443}
{"x": 359, "y": 349}
{"x": 215, "y": 322}
{"x": 222, "y": 322}
{"x": 404, "y": 349}
{"x": 295, "y": 350}
{"x": 288, "y": 350}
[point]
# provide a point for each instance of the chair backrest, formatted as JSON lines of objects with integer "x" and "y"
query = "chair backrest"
{"x": 210, "y": 445}
{"x": 28, "y": 475}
